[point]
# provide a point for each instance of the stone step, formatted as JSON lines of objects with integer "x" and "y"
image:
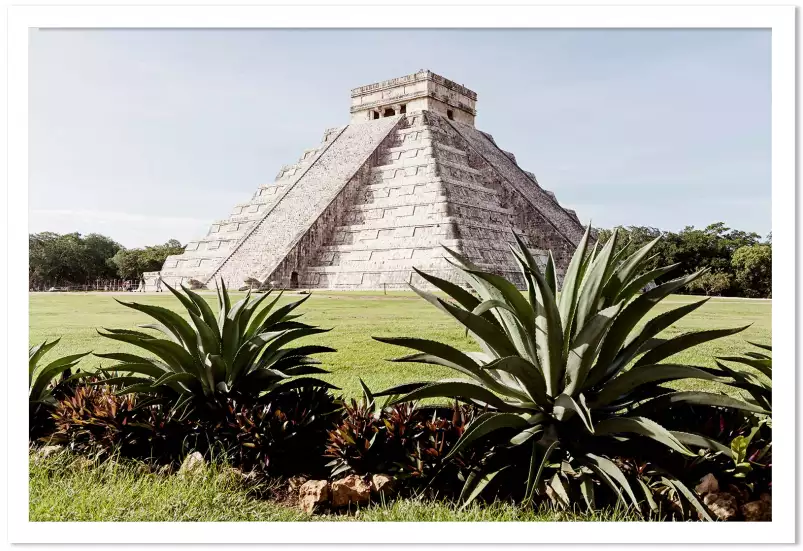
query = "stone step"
{"x": 377, "y": 220}
{"x": 450, "y": 149}
{"x": 344, "y": 236}
{"x": 410, "y": 146}
{"x": 396, "y": 265}
{"x": 231, "y": 226}
{"x": 206, "y": 248}
{"x": 430, "y": 184}
{"x": 400, "y": 199}
{"x": 567, "y": 226}
{"x": 267, "y": 193}
{"x": 390, "y": 243}
{"x": 273, "y": 238}
{"x": 371, "y": 281}
{"x": 423, "y": 242}
{"x": 399, "y": 203}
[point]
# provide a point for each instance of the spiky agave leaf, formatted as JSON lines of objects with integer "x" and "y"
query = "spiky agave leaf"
{"x": 557, "y": 364}
{"x": 243, "y": 350}
{"x": 41, "y": 378}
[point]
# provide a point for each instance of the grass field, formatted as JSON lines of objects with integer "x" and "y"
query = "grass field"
{"x": 113, "y": 491}
{"x": 354, "y": 318}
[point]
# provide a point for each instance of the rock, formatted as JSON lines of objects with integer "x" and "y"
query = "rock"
{"x": 47, "y": 451}
{"x": 722, "y": 505}
{"x": 708, "y": 485}
{"x": 296, "y": 482}
{"x": 312, "y": 494}
{"x": 351, "y": 489}
{"x": 194, "y": 464}
{"x": 766, "y": 497}
{"x": 382, "y": 484}
{"x": 757, "y": 511}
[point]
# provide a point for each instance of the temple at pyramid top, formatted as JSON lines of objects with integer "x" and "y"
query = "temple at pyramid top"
{"x": 379, "y": 197}
{"x": 421, "y": 91}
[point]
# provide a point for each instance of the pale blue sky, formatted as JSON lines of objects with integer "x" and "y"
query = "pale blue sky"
{"x": 147, "y": 135}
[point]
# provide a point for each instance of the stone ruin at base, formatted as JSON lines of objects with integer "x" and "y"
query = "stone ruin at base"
{"x": 378, "y": 197}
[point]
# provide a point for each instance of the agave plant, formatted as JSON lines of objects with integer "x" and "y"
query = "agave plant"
{"x": 574, "y": 374}
{"x": 41, "y": 378}
{"x": 759, "y": 388}
{"x": 242, "y": 352}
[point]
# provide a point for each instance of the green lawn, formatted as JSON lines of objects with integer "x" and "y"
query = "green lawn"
{"x": 112, "y": 491}
{"x": 354, "y": 318}
{"x": 63, "y": 489}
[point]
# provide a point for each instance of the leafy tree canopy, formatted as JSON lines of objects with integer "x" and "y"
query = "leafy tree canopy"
{"x": 73, "y": 259}
{"x": 131, "y": 263}
{"x": 712, "y": 247}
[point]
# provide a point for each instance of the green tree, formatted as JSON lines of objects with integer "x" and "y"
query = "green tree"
{"x": 691, "y": 249}
{"x": 711, "y": 283}
{"x": 56, "y": 259}
{"x": 632, "y": 238}
{"x": 752, "y": 265}
{"x": 130, "y": 263}
{"x": 98, "y": 249}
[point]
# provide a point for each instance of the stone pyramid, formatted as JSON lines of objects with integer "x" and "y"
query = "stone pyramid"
{"x": 379, "y": 196}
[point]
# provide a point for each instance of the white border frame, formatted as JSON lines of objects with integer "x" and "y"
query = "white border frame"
{"x": 780, "y": 19}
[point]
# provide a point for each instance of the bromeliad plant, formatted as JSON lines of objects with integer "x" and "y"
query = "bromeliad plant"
{"x": 93, "y": 420}
{"x": 241, "y": 353}
{"x": 406, "y": 440}
{"x": 285, "y": 435}
{"x": 574, "y": 376}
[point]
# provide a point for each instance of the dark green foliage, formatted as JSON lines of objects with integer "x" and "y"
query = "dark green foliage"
{"x": 241, "y": 354}
{"x": 747, "y": 436}
{"x": 226, "y": 384}
{"x": 55, "y": 259}
{"x": 752, "y": 265}
{"x": 284, "y": 435}
{"x": 711, "y": 284}
{"x": 73, "y": 259}
{"x": 745, "y": 459}
{"x": 574, "y": 378}
{"x": 131, "y": 263}
{"x": 93, "y": 421}
{"x": 739, "y": 262}
{"x": 405, "y": 440}
{"x": 351, "y": 443}
{"x": 756, "y": 380}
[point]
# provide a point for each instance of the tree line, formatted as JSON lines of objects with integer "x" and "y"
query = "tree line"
{"x": 739, "y": 263}
{"x": 72, "y": 259}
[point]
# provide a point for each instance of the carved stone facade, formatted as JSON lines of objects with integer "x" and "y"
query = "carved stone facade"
{"x": 379, "y": 197}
